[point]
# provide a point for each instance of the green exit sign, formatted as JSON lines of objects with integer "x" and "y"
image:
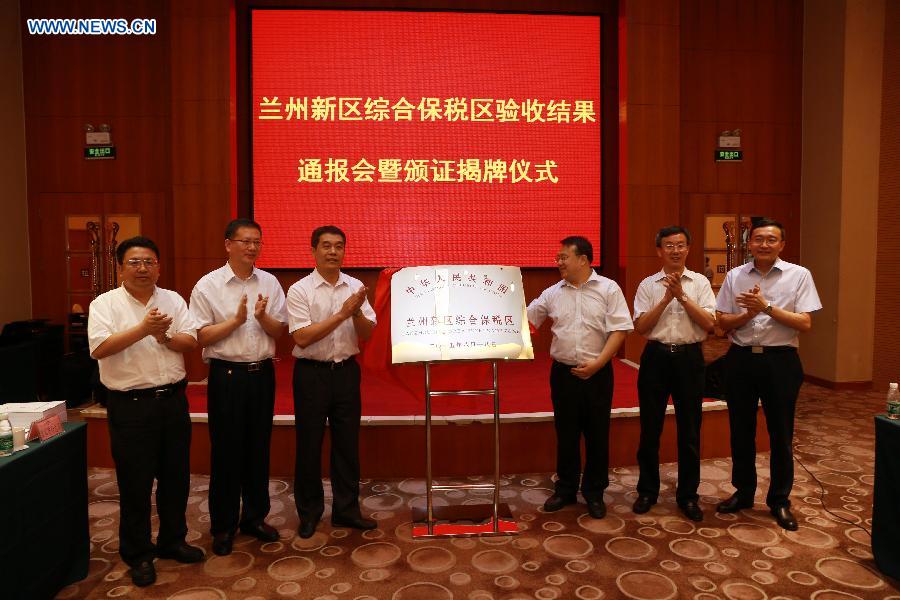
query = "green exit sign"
{"x": 99, "y": 152}
{"x": 723, "y": 155}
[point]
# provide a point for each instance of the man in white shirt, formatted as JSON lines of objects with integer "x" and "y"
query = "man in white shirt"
{"x": 239, "y": 343}
{"x": 138, "y": 333}
{"x": 590, "y": 321}
{"x": 764, "y": 305}
{"x": 328, "y": 314}
{"x": 674, "y": 310}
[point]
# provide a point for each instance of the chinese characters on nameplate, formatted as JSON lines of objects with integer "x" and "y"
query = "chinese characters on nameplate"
{"x": 458, "y": 312}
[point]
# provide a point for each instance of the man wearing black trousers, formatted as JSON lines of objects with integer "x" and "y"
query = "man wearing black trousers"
{"x": 674, "y": 310}
{"x": 239, "y": 343}
{"x": 328, "y": 315}
{"x": 590, "y": 320}
{"x": 138, "y": 333}
{"x": 764, "y": 305}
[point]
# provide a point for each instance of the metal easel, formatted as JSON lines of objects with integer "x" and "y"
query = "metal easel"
{"x": 501, "y": 521}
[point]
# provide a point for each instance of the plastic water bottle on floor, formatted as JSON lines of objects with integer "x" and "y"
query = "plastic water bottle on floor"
{"x": 6, "y": 436}
{"x": 893, "y": 402}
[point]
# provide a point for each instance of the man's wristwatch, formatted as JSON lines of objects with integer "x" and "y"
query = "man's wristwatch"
{"x": 682, "y": 299}
{"x": 165, "y": 339}
{"x": 768, "y": 309}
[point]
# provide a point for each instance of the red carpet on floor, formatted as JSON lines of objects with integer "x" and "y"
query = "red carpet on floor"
{"x": 400, "y": 390}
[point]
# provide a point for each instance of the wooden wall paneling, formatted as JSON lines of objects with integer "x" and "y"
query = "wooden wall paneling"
{"x": 653, "y": 157}
{"x": 651, "y": 208}
{"x": 746, "y": 26}
{"x": 786, "y": 159}
{"x": 201, "y": 38}
{"x": 655, "y": 82}
{"x": 56, "y": 162}
{"x": 761, "y": 160}
{"x": 111, "y": 75}
{"x": 705, "y": 31}
{"x": 701, "y": 82}
{"x": 47, "y": 232}
{"x": 765, "y": 34}
{"x": 201, "y": 145}
{"x": 727, "y": 24}
{"x": 201, "y": 213}
{"x": 707, "y": 171}
{"x": 653, "y": 12}
{"x": 691, "y": 147}
{"x": 73, "y": 80}
{"x": 886, "y": 363}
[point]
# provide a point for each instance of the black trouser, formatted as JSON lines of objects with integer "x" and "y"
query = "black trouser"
{"x": 681, "y": 375}
{"x": 581, "y": 407}
{"x": 324, "y": 393}
{"x": 773, "y": 376}
{"x": 150, "y": 437}
{"x": 241, "y": 404}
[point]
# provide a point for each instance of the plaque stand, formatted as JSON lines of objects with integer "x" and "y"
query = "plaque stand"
{"x": 482, "y": 520}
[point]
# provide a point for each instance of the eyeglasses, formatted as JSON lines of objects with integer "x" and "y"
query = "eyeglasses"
{"x": 248, "y": 243}
{"x": 771, "y": 241}
{"x": 136, "y": 263}
{"x": 679, "y": 246}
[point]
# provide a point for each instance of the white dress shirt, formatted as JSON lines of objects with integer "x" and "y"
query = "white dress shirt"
{"x": 146, "y": 363}
{"x": 675, "y": 325}
{"x": 583, "y": 317}
{"x": 313, "y": 300}
{"x": 215, "y": 299}
{"x": 786, "y": 285}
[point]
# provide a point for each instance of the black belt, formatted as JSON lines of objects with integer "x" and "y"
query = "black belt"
{"x": 763, "y": 349}
{"x": 250, "y": 367}
{"x": 162, "y": 391}
{"x": 672, "y": 348}
{"x": 327, "y": 364}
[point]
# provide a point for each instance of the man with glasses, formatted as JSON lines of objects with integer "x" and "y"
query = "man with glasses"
{"x": 674, "y": 310}
{"x": 138, "y": 333}
{"x": 329, "y": 314}
{"x": 590, "y": 321}
{"x": 764, "y": 305}
{"x": 239, "y": 344}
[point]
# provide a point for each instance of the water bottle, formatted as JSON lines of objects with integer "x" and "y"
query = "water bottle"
{"x": 6, "y": 436}
{"x": 893, "y": 402}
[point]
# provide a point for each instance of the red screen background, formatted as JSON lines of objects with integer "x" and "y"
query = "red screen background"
{"x": 425, "y": 54}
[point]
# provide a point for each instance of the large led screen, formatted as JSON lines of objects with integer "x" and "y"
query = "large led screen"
{"x": 428, "y": 137}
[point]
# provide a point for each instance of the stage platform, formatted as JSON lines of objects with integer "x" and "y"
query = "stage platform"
{"x": 392, "y": 438}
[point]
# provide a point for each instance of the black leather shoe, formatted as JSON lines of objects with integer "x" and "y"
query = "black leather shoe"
{"x": 733, "y": 504}
{"x": 557, "y": 502}
{"x": 222, "y": 543}
{"x": 642, "y": 504}
{"x": 308, "y": 528}
{"x": 596, "y": 508}
{"x": 784, "y": 517}
{"x": 261, "y": 531}
{"x": 143, "y": 574}
{"x": 691, "y": 510}
{"x": 182, "y": 552}
{"x": 354, "y": 522}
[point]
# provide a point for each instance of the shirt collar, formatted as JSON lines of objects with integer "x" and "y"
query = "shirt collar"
{"x": 228, "y": 273}
{"x": 751, "y": 266}
{"x": 593, "y": 277}
{"x": 687, "y": 274}
{"x": 319, "y": 280}
{"x": 131, "y": 298}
